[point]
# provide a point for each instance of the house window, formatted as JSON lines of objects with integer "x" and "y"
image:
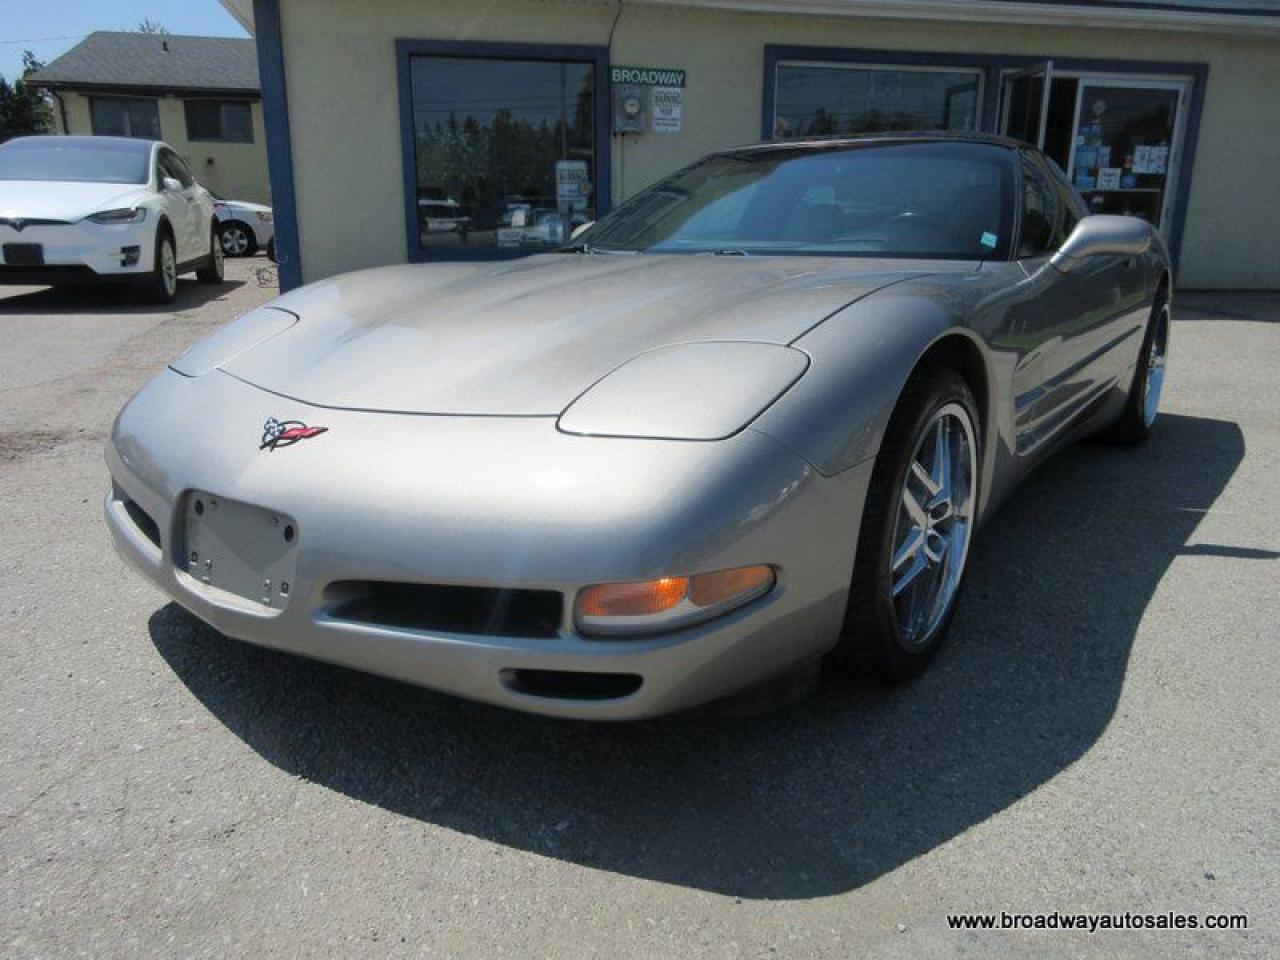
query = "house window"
{"x": 227, "y": 120}
{"x": 820, "y": 99}
{"x": 125, "y": 117}
{"x": 504, "y": 147}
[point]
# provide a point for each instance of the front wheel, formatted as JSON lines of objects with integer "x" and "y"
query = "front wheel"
{"x": 212, "y": 271}
{"x": 161, "y": 285}
{"x": 917, "y": 525}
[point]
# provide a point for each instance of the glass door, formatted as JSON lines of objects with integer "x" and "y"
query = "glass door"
{"x": 1127, "y": 146}
{"x": 1024, "y": 97}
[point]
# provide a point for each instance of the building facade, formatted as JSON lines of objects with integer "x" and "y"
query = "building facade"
{"x": 403, "y": 130}
{"x": 199, "y": 94}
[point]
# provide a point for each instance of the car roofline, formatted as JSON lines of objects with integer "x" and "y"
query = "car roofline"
{"x": 800, "y": 144}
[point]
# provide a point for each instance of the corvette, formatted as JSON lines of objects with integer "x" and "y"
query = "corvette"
{"x": 747, "y": 423}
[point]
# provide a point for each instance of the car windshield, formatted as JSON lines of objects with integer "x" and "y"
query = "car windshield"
{"x": 59, "y": 158}
{"x": 918, "y": 199}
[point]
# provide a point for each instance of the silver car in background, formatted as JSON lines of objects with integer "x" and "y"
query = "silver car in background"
{"x": 748, "y": 422}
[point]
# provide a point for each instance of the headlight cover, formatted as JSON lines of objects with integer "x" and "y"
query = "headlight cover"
{"x": 668, "y": 603}
{"x": 702, "y": 390}
{"x": 232, "y": 340}
{"x": 121, "y": 215}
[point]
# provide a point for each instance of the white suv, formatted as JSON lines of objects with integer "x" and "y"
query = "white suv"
{"x": 77, "y": 209}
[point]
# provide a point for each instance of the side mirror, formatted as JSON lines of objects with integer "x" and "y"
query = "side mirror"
{"x": 581, "y": 228}
{"x": 1103, "y": 234}
{"x": 170, "y": 183}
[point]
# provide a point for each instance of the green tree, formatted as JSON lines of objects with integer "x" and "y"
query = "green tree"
{"x": 24, "y": 109}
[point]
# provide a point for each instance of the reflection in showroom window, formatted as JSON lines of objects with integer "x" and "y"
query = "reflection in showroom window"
{"x": 504, "y": 152}
{"x": 816, "y": 100}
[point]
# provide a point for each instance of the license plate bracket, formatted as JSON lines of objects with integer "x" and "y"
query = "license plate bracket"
{"x": 238, "y": 548}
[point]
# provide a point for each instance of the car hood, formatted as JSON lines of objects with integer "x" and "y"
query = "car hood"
{"x": 63, "y": 199}
{"x": 526, "y": 338}
{"x": 242, "y": 206}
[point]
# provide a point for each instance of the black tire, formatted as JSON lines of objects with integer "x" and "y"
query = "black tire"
{"x": 237, "y": 239}
{"x": 161, "y": 286}
{"x": 1133, "y": 427}
{"x": 212, "y": 269}
{"x": 872, "y": 640}
{"x": 271, "y": 250}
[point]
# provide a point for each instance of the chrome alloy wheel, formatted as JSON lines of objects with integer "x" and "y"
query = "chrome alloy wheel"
{"x": 934, "y": 525}
{"x": 234, "y": 240}
{"x": 1156, "y": 360}
{"x": 168, "y": 267}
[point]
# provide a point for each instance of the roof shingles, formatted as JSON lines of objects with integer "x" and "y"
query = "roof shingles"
{"x": 157, "y": 62}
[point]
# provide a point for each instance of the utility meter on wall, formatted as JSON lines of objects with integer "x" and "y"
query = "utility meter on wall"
{"x": 630, "y": 107}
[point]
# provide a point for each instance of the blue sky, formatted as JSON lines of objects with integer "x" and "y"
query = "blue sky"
{"x": 52, "y": 27}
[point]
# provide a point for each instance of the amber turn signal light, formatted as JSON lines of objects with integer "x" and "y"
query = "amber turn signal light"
{"x": 668, "y": 603}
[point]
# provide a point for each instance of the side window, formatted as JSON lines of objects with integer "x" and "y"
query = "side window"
{"x": 1041, "y": 212}
{"x": 172, "y": 166}
{"x": 1073, "y": 208}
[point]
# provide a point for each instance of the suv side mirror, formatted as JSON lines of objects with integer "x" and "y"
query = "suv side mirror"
{"x": 171, "y": 183}
{"x": 1103, "y": 234}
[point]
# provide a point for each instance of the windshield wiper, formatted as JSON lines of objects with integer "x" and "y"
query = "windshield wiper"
{"x": 729, "y": 252}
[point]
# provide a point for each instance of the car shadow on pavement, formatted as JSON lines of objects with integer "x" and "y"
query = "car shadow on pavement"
{"x": 111, "y": 298}
{"x": 812, "y": 800}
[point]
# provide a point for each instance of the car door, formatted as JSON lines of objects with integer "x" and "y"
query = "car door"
{"x": 182, "y": 207}
{"x": 1068, "y": 324}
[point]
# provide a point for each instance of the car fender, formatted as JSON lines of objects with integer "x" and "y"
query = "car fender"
{"x": 860, "y": 361}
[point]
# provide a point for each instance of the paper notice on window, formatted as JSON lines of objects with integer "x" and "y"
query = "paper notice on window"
{"x": 1142, "y": 160}
{"x": 1109, "y": 178}
{"x": 668, "y": 109}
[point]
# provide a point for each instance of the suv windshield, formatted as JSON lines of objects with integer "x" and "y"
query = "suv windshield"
{"x": 62, "y": 158}
{"x": 917, "y": 199}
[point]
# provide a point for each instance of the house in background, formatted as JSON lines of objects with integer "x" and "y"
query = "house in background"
{"x": 199, "y": 94}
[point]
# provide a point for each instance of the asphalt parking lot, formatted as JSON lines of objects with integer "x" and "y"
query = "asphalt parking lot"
{"x": 1100, "y": 735}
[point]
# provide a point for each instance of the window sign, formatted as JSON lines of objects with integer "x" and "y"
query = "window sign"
{"x": 668, "y": 109}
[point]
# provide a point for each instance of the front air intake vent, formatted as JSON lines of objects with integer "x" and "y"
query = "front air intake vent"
{"x": 572, "y": 684}
{"x": 438, "y": 608}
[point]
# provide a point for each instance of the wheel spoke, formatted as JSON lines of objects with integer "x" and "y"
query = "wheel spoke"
{"x": 913, "y": 508}
{"x": 910, "y": 549}
{"x": 922, "y": 475}
{"x": 942, "y": 461}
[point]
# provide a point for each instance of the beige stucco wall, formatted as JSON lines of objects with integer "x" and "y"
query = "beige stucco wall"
{"x": 345, "y": 124}
{"x": 237, "y": 171}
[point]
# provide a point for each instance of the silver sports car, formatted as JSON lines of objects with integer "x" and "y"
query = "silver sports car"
{"x": 747, "y": 422}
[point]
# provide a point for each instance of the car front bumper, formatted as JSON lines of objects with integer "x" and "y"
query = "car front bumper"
{"x": 503, "y": 503}
{"x": 81, "y": 251}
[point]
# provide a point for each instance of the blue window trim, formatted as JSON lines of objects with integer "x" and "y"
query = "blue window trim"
{"x": 992, "y": 66}
{"x": 406, "y": 49}
{"x": 275, "y": 118}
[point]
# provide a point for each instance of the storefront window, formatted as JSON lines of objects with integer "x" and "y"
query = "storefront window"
{"x": 826, "y": 99}
{"x": 1124, "y": 148}
{"x": 504, "y": 153}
